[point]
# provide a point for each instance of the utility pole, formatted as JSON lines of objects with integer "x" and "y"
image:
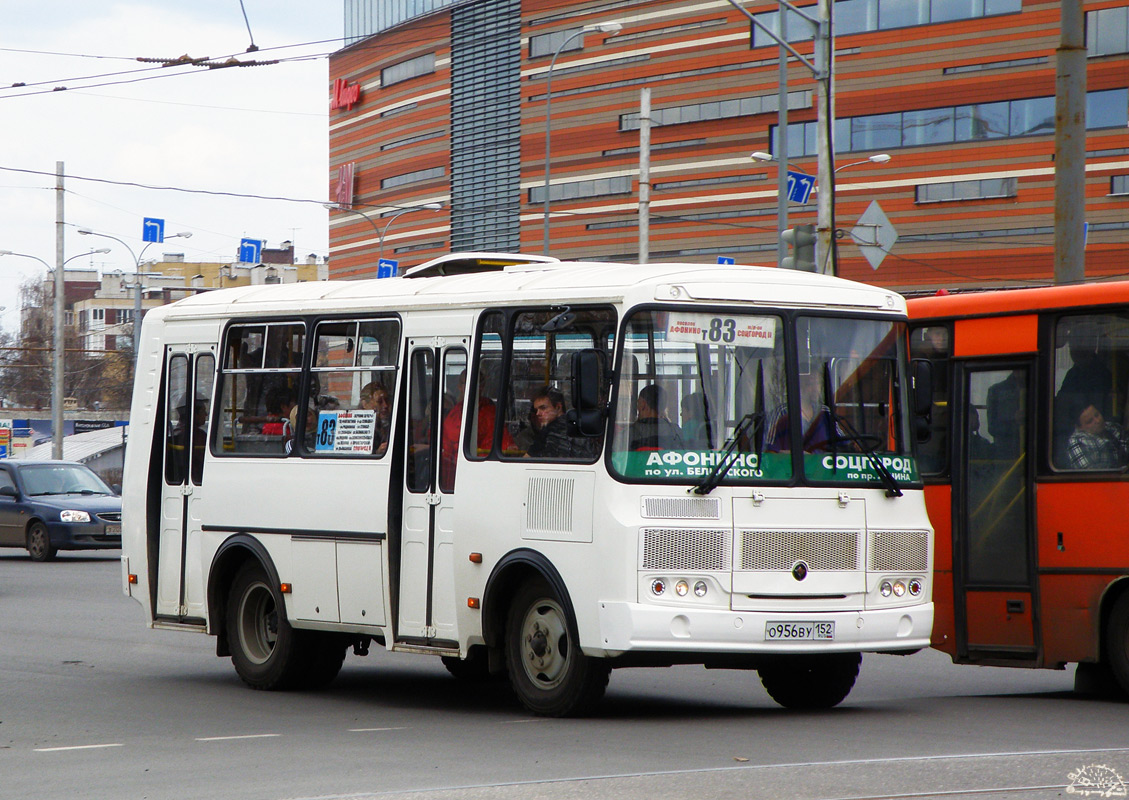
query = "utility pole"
{"x": 782, "y": 144}
{"x": 1070, "y": 146}
{"x": 60, "y": 332}
{"x": 644, "y": 175}
{"x": 820, "y": 69}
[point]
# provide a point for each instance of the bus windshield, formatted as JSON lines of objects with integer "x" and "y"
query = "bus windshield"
{"x": 707, "y": 397}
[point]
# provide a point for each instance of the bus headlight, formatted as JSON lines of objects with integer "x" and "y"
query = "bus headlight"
{"x": 700, "y": 589}
{"x": 916, "y": 587}
{"x": 681, "y": 588}
{"x": 899, "y": 588}
{"x": 658, "y": 586}
{"x": 74, "y": 516}
{"x": 886, "y": 588}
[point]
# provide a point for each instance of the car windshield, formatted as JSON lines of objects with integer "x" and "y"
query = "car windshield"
{"x": 710, "y": 397}
{"x": 61, "y": 479}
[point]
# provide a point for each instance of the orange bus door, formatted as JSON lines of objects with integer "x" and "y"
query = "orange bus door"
{"x": 993, "y": 513}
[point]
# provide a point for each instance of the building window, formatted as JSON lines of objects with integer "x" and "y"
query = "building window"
{"x": 575, "y": 190}
{"x": 1107, "y": 31}
{"x": 967, "y": 190}
{"x": 1032, "y": 116}
{"x": 545, "y": 44}
{"x": 863, "y": 16}
{"x": 411, "y": 140}
{"x": 420, "y": 65}
{"x": 413, "y": 177}
{"x": 1119, "y": 185}
{"x": 718, "y": 109}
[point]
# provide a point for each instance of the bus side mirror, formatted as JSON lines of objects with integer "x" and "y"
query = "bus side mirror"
{"x": 589, "y": 374}
{"x": 922, "y": 387}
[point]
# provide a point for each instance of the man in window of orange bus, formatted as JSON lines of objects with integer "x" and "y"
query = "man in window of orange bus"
{"x": 1096, "y": 443}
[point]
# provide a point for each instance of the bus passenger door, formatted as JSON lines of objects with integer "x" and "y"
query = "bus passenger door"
{"x": 434, "y": 416}
{"x": 190, "y": 376}
{"x": 993, "y": 513}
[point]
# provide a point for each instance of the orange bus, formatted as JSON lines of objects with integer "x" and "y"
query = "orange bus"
{"x": 1026, "y": 476}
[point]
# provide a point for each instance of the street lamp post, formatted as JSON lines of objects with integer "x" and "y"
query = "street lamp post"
{"x": 57, "y": 392}
{"x": 382, "y": 232}
{"x": 137, "y": 306}
{"x": 610, "y": 28}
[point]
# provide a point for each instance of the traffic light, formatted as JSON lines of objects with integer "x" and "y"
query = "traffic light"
{"x": 801, "y": 238}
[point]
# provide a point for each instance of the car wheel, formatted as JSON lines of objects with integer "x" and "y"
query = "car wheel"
{"x": 39, "y": 542}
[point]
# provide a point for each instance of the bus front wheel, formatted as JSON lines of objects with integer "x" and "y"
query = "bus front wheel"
{"x": 266, "y": 652}
{"x": 811, "y": 681}
{"x": 548, "y": 671}
{"x": 1117, "y": 642}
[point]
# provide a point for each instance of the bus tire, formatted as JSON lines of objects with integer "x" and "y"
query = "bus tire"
{"x": 549, "y": 673}
{"x": 1116, "y": 645}
{"x": 39, "y": 542}
{"x": 266, "y": 652}
{"x": 811, "y": 681}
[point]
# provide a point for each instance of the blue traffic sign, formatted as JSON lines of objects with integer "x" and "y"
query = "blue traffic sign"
{"x": 250, "y": 251}
{"x": 800, "y": 185}
{"x": 387, "y": 268}
{"x": 152, "y": 230}
{"x": 726, "y": 260}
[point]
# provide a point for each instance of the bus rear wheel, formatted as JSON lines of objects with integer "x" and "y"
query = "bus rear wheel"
{"x": 548, "y": 671}
{"x": 1116, "y": 645}
{"x": 811, "y": 681}
{"x": 266, "y": 652}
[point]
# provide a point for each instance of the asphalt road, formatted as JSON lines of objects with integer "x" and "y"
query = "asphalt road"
{"x": 94, "y": 705}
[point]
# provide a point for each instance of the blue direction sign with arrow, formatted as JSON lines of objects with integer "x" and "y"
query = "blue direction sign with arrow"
{"x": 387, "y": 268}
{"x": 152, "y": 230}
{"x": 250, "y": 251}
{"x": 800, "y": 185}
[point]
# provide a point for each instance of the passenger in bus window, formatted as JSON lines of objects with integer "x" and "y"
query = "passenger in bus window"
{"x": 449, "y": 434}
{"x": 651, "y": 429}
{"x": 374, "y": 397}
{"x": 555, "y": 437}
{"x": 278, "y": 402}
{"x": 1096, "y": 443}
{"x": 817, "y": 427}
{"x": 695, "y": 434}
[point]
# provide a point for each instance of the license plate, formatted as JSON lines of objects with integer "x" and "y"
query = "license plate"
{"x": 793, "y": 631}
{"x": 113, "y": 530}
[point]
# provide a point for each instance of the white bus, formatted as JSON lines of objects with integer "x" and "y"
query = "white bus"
{"x": 654, "y": 465}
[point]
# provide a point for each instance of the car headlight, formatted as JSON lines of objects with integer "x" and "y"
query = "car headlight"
{"x": 74, "y": 516}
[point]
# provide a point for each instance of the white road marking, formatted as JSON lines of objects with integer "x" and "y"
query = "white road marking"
{"x": 375, "y": 730}
{"x": 77, "y": 747}
{"x": 519, "y": 721}
{"x": 245, "y": 736}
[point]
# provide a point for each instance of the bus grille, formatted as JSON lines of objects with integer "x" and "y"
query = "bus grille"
{"x": 899, "y": 551}
{"x": 780, "y": 550}
{"x": 685, "y": 549}
{"x": 681, "y": 507}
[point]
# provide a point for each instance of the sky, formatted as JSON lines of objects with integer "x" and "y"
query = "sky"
{"x": 257, "y": 131}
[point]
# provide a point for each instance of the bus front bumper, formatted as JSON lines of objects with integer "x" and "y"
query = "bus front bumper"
{"x": 626, "y": 627}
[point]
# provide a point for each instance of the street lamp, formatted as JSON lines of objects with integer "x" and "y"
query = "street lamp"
{"x": 611, "y": 29}
{"x": 383, "y": 232}
{"x": 139, "y": 285}
{"x": 60, "y": 349}
{"x": 877, "y": 158}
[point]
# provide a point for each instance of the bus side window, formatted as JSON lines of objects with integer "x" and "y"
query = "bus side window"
{"x": 1091, "y": 374}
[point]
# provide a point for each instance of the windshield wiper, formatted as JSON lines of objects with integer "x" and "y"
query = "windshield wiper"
{"x": 851, "y": 435}
{"x": 725, "y": 461}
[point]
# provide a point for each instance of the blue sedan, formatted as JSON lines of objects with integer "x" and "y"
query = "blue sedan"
{"x": 47, "y": 506}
